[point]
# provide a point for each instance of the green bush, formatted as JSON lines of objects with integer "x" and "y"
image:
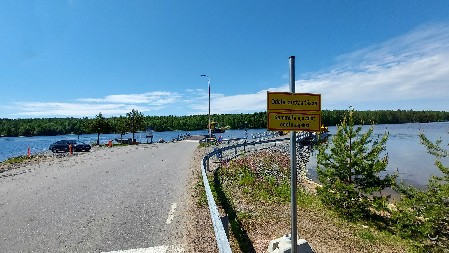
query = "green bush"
{"x": 424, "y": 215}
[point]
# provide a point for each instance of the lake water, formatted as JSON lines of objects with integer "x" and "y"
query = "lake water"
{"x": 17, "y": 146}
{"x": 406, "y": 154}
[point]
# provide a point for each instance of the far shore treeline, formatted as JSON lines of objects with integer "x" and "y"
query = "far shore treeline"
{"x": 60, "y": 126}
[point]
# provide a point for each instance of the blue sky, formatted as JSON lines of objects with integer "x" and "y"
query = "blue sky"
{"x": 77, "y": 58}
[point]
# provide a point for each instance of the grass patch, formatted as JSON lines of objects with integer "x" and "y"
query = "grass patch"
{"x": 17, "y": 159}
{"x": 367, "y": 235}
{"x": 120, "y": 145}
{"x": 199, "y": 188}
{"x": 255, "y": 192}
{"x": 235, "y": 218}
{"x": 207, "y": 144}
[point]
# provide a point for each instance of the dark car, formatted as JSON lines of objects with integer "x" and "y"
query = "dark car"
{"x": 63, "y": 146}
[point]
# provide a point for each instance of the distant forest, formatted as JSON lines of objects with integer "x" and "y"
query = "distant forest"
{"x": 60, "y": 126}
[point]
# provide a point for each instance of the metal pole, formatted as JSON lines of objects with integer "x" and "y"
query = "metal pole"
{"x": 293, "y": 165}
{"x": 208, "y": 84}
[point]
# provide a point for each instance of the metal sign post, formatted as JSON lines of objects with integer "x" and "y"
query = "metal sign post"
{"x": 290, "y": 111}
{"x": 293, "y": 164}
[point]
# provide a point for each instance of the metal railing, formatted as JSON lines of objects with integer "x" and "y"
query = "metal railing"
{"x": 220, "y": 233}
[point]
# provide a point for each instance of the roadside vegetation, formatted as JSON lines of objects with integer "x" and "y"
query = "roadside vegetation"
{"x": 424, "y": 215}
{"x": 349, "y": 170}
{"x": 254, "y": 191}
{"x": 60, "y": 126}
{"x": 348, "y": 211}
{"x": 17, "y": 159}
{"x": 20, "y": 161}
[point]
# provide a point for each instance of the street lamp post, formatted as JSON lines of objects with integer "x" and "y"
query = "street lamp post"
{"x": 208, "y": 84}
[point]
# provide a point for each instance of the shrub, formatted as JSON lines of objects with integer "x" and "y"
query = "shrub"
{"x": 424, "y": 215}
{"x": 349, "y": 167}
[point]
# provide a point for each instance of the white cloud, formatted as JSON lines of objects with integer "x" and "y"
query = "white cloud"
{"x": 151, "y": 98}
{"x": 111, "y": 105}
{"x": 57, "y": 109}
{"x": 407, "y": 72}
{"x": 408, "y": 68}
{"x": 232, "y": 104}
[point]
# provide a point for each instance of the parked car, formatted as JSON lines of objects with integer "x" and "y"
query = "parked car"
{"x": 63, "y": 146}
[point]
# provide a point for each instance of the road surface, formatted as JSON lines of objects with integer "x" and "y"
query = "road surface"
{"x": 111, "y": 199}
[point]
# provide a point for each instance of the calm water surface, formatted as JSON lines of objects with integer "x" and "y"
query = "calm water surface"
{"x": 406, "y": 155}
{"x": 17, "y": 146}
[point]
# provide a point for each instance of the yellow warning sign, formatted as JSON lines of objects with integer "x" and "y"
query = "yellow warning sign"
{"x": 294, "y": 121}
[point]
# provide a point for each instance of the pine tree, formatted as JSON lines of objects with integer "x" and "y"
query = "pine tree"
{"x": 349, "y": 168}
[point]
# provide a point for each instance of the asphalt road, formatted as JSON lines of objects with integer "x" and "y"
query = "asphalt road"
{"x": 107, "y": 200}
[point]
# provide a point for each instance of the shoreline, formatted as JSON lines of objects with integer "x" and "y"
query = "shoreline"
{"x": 47, "y": 153}
{"x": 47, "y": 156}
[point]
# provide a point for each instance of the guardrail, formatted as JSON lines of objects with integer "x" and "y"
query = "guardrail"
{"x": 226, "y": 153}
{"x": 220, "y": 233}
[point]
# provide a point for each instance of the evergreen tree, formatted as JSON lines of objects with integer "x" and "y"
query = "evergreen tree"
{"x": 349, "y": 167}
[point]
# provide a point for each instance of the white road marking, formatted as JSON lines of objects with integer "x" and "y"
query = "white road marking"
{"x": 158, "y": 249}
{"x": 171, "y": 214}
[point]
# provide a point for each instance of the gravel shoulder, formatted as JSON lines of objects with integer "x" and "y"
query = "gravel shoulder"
{"x": 200, "y": 233}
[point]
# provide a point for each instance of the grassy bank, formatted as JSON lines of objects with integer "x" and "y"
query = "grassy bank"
{"x": 254, "y": 190}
